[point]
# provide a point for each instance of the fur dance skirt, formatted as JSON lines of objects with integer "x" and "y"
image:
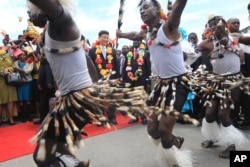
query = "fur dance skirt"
{"x": 78, "y": 108}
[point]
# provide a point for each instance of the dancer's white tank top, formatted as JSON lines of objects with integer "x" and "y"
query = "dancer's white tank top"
{"x": 229, "y": 64}
{"x": 69, "y": 70}
{"x": 167, "y": 62}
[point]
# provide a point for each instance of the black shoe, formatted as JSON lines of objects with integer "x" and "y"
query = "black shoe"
{"x": 30, "y": 119}
{"x": 144, "y": 121}
{"x": 37, "y": 122}
{"x": 12, "y": 123}
{"x": 133, "y": 121}
{"x": 85, "y": 163}
{"x": 113, "y": 121}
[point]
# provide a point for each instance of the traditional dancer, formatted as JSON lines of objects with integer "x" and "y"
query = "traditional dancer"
{"x": 79, "y": 102}
{"x": 59, "y": 129}
{"x": 170, "y": 92}
{"x": 225, "y": 58}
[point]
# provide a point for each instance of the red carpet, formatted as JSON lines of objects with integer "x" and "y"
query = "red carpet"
{"x": 14, "y": 139}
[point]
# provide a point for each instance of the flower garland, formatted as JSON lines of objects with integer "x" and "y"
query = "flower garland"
{"x": 231, "y": 46}
{"x": 108, "y": 67}
{"x": 208, "y": 34}
{"x": 229, "y": 43}
{"x": 140, "y": 61}
{"x": 152, "y": 36}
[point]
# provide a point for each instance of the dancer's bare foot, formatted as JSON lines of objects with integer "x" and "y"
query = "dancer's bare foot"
{"x": 178, "y": 141}
{"x": 225, "y": 154}
{"x": 86, "y": 163}
{"x": 207, "y": 144}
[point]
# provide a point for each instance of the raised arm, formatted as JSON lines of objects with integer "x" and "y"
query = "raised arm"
{"x": 244, "y": 39}
{"x": 173, "y": 21}
{"x": 61, "y": 26}
{"x": 133, "y": 35}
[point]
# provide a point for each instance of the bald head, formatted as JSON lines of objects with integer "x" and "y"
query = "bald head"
{"x": 234, "y": 24}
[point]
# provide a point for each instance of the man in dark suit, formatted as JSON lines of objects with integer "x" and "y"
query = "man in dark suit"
{"x": 47, "y": 89}
{"x": 136, "y": 70}
{"x": 121, "y": 59}
{"x": 244, "y": 103}
{"x": 105, "y": 60}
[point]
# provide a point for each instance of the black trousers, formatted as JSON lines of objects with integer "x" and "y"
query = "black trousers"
{"x": 245, "y": 106}
{"x": 45, "y": 95}
{"x": 111, "y": 113}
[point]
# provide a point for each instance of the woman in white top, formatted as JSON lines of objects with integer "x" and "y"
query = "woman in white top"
{"x": 24, "y": 91}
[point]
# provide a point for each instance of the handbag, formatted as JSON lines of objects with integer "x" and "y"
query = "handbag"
{"x": 13, "y": 78}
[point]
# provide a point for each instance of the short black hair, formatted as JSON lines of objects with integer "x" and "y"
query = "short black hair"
{"x": 248, "y": 6}
{"x": 155, "y": 3}
{"x": 19, "y": 36}
{"x": 193, "y": 33}
{"x": 103, "y": 32}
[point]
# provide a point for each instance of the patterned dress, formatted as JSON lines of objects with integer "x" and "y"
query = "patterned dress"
{"x": 8, "y": 93}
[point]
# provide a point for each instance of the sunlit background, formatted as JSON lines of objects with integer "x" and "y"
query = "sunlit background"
{"x": 95, "y": 15}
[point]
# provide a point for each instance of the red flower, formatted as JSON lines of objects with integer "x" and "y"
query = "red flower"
{"x": 130, "y": 74}
{"x": 234, "y": 42}
{"x": 97, "y": 42}
{"x": 29, "y": 60}
{"x": 109, "y": 66}
{"x": 168, "y": 46}
{"x": 207, "y": 33}
{"x": 164, "y": 17}
{"x": 98, "y": 61}
{"x": 140, "y": 61}
{"x": 143, "y": 26}
{"x": 150, "y": 42}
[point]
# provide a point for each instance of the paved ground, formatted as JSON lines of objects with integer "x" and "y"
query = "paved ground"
{"x": 130, "y": 147}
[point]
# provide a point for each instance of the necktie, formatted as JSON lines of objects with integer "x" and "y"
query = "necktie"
{"x": 122, "y": 64}
{"x": 104, "y": 52}
{"x": 135, "y": 53}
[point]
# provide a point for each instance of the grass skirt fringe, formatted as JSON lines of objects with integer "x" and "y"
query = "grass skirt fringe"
{"x": 76, "y": 109}
{"x": 160, "y": 93}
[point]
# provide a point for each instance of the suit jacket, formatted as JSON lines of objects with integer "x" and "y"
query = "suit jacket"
{"x": 202, "y": 60}
{"x": 92, "y": 55}
{"x": 245, "y": 68}
{"x": 120, "y": 64}
{"x": 45, "y": 74}
{"x": 146, "y": 71}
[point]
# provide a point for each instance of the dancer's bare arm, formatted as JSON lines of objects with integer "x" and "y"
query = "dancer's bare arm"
{"x": 244, "y": 39}
{"x": 133, "y": 35}
{"x": 61, "y": 25}
{"x": 173, "y": 21}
